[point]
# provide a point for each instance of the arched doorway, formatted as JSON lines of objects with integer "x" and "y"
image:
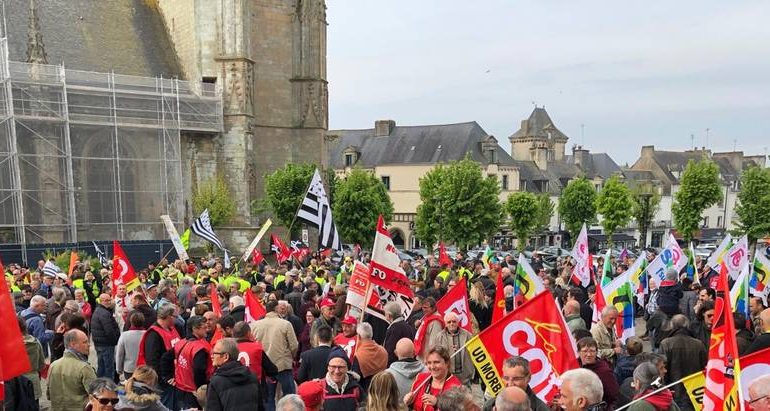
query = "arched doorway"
{"x": 398, "y": 238}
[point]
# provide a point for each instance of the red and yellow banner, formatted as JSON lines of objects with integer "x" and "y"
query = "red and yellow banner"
{"x": 122, "y": 270}
{"x": 456, "y": 301}
{"x": 536, "y": 330}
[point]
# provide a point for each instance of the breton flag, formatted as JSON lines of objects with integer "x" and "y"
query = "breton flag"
{"x": 316, "y": 212}
{"x": 456, "y": 301}
{"x": 102, "y": 257}
{"x": 581, "y": 274}
{"x": 526, "y": 281}
{"x": 202, "y": 228}
{"x": 50, "y": 269}
{"x": 759, "y": 282}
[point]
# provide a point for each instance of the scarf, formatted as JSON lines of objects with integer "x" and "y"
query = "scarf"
{"x": 77, "y": 355}
{"x": 419, "y": 340}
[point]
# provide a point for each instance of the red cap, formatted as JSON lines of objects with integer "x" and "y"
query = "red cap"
{"x": 350, "y": 320}
{"x": 312, "y": 393}
{"x": 327, "y": 302}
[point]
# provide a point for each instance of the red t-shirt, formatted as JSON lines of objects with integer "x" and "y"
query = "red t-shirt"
{"x": 347, "y": 343}
{"x": 428, "y": 388}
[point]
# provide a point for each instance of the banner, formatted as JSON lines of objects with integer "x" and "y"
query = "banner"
{"x": 536, "y": 330}
{"x": 380, "y": 296}
{"x": 638, "y": 277}
{"x": 582, "y": 270}
{"x": 385, "y": 264}
{"x": 359, "y": 285}
{"x": 759, "y": 282}
{"x": 620, "y": 295}
{"x": 247, "y": 254}
{"x": 122, "y": 270}
{"x": 181, "y": 251}
{"x": 671, "y": 257}
{"x": 715, "y": 259}
{"x": 737, "y": 256}
{"x": 694, "y": 384}
{"x": 443, "y": 257}
{"x": 526, "y": 281}
{"x": 456, "y": 301}
{"x": 282, "y": 252}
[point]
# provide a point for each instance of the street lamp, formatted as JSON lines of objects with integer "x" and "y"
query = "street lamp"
{"x": 643, "y": 224}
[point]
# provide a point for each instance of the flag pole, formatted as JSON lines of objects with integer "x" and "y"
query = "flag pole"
{"x": 651, "y": 393}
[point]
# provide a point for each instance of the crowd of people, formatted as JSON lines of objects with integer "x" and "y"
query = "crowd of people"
{"x": 163, "y": 345}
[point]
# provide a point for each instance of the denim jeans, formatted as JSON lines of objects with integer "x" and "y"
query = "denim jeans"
{"x": 105, "y": 356}
{"x": 286, "y": 379}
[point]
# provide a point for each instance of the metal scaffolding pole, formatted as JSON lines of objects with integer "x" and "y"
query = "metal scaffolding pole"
{"x": 72, "y": 214}
{"x": 118, "y": 188}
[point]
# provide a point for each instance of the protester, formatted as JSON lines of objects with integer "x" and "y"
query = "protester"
{"x": 453, "y": 339}
{"x": 341, "y": 392}
{"x": 294, "y": 402}
{"x": 762, "y": 340}
{"x": 457, "y": 399}
{"x": 588, "y": 358}
{"x": 649, "y": 397}
{"x": 407, "y": 367}
{"x": 427, "y": 386}
{"x": 102, "y": 395}
{"x": 604, "y": 335}
{"x": 701, "y": 327}
{"x": 626, "y": 364}
{"x": 70, "y": 376}
{"x": 327, "y": 318}
{"x": 431, "y": 325}
{"x": 669, "y": 293}
{"x": 252, "y": 355}
{"x": 397, "y": 329}
{"x": 347, "y": 338}
{"x": 383, "y": 393}
{"x": 311, "y": 393}
{"x": 581, "y": 390}
{"x": 277, "y": 336}
{"x": 572, "y": 316}
{"x": 512, "y": 399}
{"x": 36, "y": 359}
{"x": 188, "y": 365}
{"x": 35, "y": 322}
{"x": 127, "y": 350}
{"x": 141, "y": 391}
{"x": 233, "y": 386}
{"x": 105, "y": 333}
{"x": 759, "y": 393}
{"x": 312, "y": 363}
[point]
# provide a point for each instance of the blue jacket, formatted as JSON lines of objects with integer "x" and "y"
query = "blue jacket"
{"x": 36, "y": 326}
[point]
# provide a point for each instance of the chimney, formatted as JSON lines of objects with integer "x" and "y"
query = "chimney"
{"x": 581, "y": 157}
{"x": 648, "y": 151}
{"x": 383, "y": 128}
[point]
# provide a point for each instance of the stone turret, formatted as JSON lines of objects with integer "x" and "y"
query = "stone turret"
{"x": 35, "y": 47}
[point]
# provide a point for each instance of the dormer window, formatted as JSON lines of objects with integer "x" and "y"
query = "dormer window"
{"x": 351, "y": 156}
{"x": 349, "y": 160}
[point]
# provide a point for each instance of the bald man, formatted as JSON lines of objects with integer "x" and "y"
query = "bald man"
{"x": 759, "y": 393}
{"x": 406, "y": 368}
{"x": 762, "y": 341}
{"x": 572, "y": 315}
{"x": 512, "y": 399}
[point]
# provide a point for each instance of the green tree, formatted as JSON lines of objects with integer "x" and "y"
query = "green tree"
{"x": 646, "y": 202}
{"x": 614, "y": 204}
{"x": 700, "y": 188}
{"x": 577, "y": 205}
{"x": 214, "y": 195}
{"x": 359, "y": 199}
{"x": 753, "y": 209}
{"x": 285, "y": 188}
{"x": 459, "y": 205}
{"x": 524, "y": 209}
{"x": 545, "y": 212}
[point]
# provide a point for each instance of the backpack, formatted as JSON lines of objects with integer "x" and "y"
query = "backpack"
{"x": 20, "y": 395}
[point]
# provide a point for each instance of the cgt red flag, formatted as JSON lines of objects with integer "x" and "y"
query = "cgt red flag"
{"x": 216, "y": 307}
{"x": 254, "y": 309}
{"x": 599, "y": 303}
{"x": 498, "y": 310}
{"x": 723, "y": 365}
{"x": 385, "y": 263}
{"x": 443, "y": 257}
{"x": 537, "y": 331}
{"x": 456, "y": 301}
{"x": 122, "y": 270}
{"x": 281, "y": 250}
{"x": 256, "y": 257}
{"x": 13, "y": 356}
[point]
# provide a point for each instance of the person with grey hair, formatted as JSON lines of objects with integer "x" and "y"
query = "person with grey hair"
{"x": 370, "y": 357}
{"x": 581, "y": 389}
{"x": 512, "y": 398}
{"x": 33, "y": 317}
{"x": 69, "y": 376}
{"x": 156, "y": 341}
{"x": 453, "y": 337}
{"x": 291, "y": 402}
{"x": 70, "y": 306}
{"x": 456, "y": 399}
{"x": 669, "y": 293}
{"x": 102, "y": 395}
{"x": 647, "y": 379}
{"x": 398, "y": 328}
{"x": 237, "y": 308}
{"x": 604, "y": 334}
{"x": 516, "y": 373}
{"x": 105, "y": 333}
{"x": 759, "y": 393}
{"x": 685, "y": 354}
{"x": 233, "y": 386}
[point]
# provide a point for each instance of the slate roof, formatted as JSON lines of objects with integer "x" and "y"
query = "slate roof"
{"x": 539, "y": 124}
{"x": 600, "y": 164}
{"x": 124, "y": 36}
{"x": 413, "y": 145}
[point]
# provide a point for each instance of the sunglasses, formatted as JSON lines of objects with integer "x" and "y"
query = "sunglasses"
{"x": 105, "y": 401}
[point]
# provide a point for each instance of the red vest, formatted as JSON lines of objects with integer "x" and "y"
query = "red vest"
{"x": 184, "y": 352}
{"x": 170, "y": 337}
{"x": 250, "y": 355}
{"x": 348, "y": 344}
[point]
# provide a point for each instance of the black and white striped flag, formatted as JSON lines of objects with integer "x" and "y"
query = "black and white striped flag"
{"x": 316, "y": 212}
{"x": 50, "y": 269}
{"x": 202, "y": 228}
{"x": 101, "y": 256}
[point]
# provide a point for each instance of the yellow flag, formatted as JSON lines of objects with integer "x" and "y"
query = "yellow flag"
{"x": 695, "y": 384}
{"x": 185, "y": 237}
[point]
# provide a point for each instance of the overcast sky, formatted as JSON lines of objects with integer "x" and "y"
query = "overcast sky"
{"x": 632, "y": 73}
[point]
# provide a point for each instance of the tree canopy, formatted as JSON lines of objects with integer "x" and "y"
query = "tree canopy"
{"x": 700, "y": 188}
{"x": 753, "y": 208}
{"x": 359, "y": 199}
{"x": 577, "y": 205}
{"x": 524, "y": 210}
{"x": 285, "y": 188}
{"x": 214, "y": 195}
{"x": 614, "y": 204}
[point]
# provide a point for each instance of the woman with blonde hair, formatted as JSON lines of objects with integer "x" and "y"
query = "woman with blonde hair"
{"x": 141, "y": 392}
{"x": 480, "y": 306}
{"x": 383, "y": 393}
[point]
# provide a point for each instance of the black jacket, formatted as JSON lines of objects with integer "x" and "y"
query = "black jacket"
{"x": 353, "y": 396}
{"x": 761, "y": 342}
{"x": 396, "y": 331}
{"x": 238, "y": 313}
{"x": 104, "y": 329}
{"x": 313, "y": 363}
{"x": 685, "y": 355}
{"x": 149, "y": 316}
{"x": 234, "y": 388}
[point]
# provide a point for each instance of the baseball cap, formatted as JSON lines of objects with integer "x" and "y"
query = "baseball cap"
{"x": 311, "y": 393}
{"x": 327, "y": 302}
{"x": 350, "y": 320}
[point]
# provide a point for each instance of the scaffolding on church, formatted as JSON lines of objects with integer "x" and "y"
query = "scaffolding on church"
{"x": 93, "y": 156}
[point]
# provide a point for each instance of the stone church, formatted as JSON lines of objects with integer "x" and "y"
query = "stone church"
{"x": 266, "y": 59}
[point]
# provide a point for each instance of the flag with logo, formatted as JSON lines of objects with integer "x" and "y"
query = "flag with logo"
{"x": 671, "y": 257}
{"x": 14, "y": 360}
{"x": 607, "y": 268}
{"x": 443, "y": 257}
{"x": 385, "y": 263}
{"x": 739, "y": 294}
{"x": 256, "y": 257}
{"x": 723, "y": 366}
{"x": 581, "y": 273}
{"x": 535, "y": 330}
{"x": 753, "y": 366}
{"x": 759, "y": 282}
{"x": 316, "y": 211}
{"x": 488, "y": 258}
{"x": 715, "y": 259}
{"x": 254, "y": 309}
{"x": 216, "y": 307}
{"x": 122, "y": 270}
{"x": 282, "y": 252}
{"x": 456, "y": 301}
{"x": 690, "y": 269}
{"x": 525, "y": 281}
{"x": 498, "y": 309}
{"x": 638, "y": 277}
{"x": 299, "y": 250}
{"x": 737, "y": 256}
{"x": 620, "y": 294}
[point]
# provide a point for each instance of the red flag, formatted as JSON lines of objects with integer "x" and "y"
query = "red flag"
{"x": 122, "y": 270}
{"x": 443, "y": 257}
{"x": 73, "y": 261}
{"x": 254, "y": 309}
{"x": 326, "y": 252}
{"x": 723, "y": 365}
{"x": 13, "y": 356}
{"x": 282, "y": 252}
{"x": 257, "y": 257}
{"x": 385, "y": 263}
{"x": 456, "y": 301}
{"x": 599, "y": 303}
{"x": 216, "y": 307}
{"x": 535, "y": 330}
{"x": 299, "y": 251}
{"x": 498, "y": 310}
{"x": 753, "y": 366}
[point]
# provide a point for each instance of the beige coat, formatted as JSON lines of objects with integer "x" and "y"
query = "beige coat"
{"x": 277, "y": 338}
{"x": 68, "y": 380}
{"x": 460, "y": 365}
{"x": 605, "y": 340}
